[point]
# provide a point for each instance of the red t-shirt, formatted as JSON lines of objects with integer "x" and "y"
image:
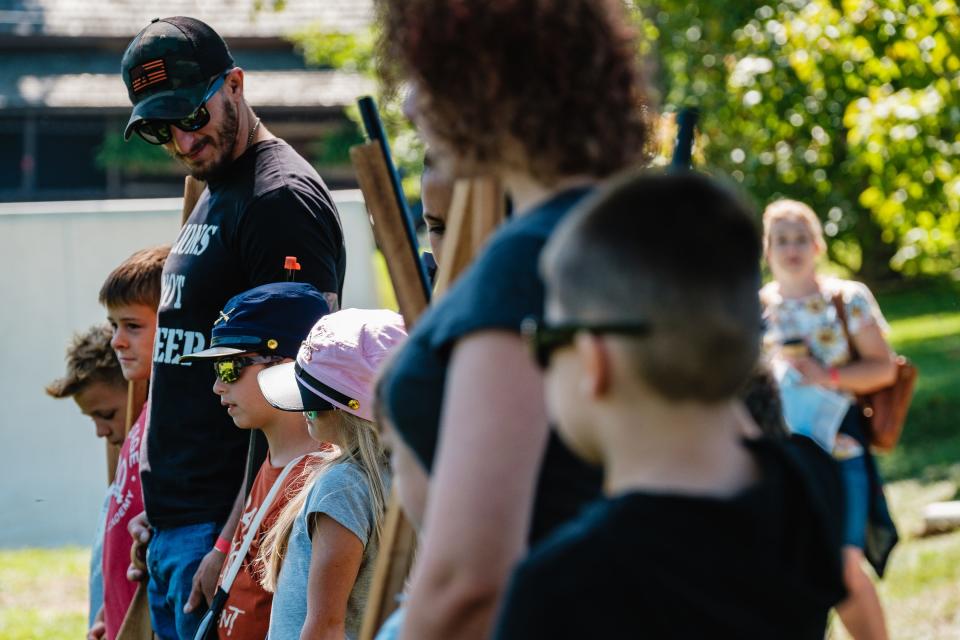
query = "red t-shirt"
{"x": 246, "y": 613}
{"x": 126, "y": 501}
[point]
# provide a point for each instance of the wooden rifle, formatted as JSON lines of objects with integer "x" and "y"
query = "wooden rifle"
{"x": 683, "y": 147}
{"x": 476, "y": 209}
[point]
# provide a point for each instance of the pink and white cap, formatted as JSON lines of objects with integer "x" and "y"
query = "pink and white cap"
{"x": 337, "y": 363}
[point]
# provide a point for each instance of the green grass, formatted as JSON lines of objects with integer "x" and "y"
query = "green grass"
{"x": 920, "y": 591}
{"x": 925, "y": 327}
{"x": 43, "y": 593}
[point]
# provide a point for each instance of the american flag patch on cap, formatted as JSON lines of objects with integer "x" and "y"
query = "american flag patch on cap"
{"x": 148, "y": 74}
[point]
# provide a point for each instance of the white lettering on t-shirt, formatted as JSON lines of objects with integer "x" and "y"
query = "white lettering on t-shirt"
{"x": 121, "y": 510}
{"x": 120, "y": 481}
{"x": 194, "y": 239}
{"x": 134, "y": 454}
{"x": 173, "y": 338}
{"x": 228, "y": 616}
{"x": 171, "y": 291}
{"x": 171, "y": 343}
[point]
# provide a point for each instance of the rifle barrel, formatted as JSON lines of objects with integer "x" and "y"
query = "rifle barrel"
{"x": 683, "y": 149}
{"x": 376, "y": 133}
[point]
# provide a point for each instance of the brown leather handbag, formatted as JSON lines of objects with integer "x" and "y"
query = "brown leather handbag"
{"x": 885, "y": 409}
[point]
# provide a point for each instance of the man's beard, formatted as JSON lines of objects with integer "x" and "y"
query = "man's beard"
{"x": 224, "y": 140}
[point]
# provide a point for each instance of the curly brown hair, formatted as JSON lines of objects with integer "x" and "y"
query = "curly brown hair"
{"x": 560, "y": 78}
{"x": 90, "y": 358}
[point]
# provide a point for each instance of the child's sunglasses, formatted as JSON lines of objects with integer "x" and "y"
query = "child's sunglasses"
{"x": 229, "y": 369}
{"x": 158, "y": 131}
{"x": 543, "y": 339}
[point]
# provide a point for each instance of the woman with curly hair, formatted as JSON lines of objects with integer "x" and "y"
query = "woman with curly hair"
{"x": 548, "y": 97}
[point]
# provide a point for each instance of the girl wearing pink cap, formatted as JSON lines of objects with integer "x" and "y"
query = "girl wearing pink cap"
{"x": 319, "y": 556}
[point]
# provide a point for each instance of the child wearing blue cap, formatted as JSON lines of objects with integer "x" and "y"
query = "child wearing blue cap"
{"x": 256, "y": 330}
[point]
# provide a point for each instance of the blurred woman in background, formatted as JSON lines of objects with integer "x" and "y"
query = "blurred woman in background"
{"x": 805, "y": 329}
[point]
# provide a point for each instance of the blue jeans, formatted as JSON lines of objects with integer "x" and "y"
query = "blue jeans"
{"x": 172, "y": 558}
{"x": 856, "y": 486}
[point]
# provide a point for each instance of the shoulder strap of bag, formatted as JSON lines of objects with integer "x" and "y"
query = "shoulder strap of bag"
{"x": 231, "y": 574}
{"x": 842, "y": 315}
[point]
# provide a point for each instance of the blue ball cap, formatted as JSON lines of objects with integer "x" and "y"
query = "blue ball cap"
{"x": 270, "y": 319}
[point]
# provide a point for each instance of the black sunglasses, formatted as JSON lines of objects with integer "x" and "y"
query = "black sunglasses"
{"x": 229, "y": 369}
{"x": 543, "y": 339}
{"x": 158, "y": 131}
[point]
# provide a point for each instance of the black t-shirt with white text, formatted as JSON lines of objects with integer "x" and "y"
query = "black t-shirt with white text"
{"x": 272, "y": 204}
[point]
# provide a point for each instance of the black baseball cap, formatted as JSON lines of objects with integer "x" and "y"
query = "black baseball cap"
{"x": 272, "y": 319}
{"x": 169, "y": 66}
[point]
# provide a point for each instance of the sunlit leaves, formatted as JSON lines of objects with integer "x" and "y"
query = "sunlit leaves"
{"x": 853, "y": 106}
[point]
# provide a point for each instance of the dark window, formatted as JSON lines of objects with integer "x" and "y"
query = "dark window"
{"x": 11, "y": 152}
{"x": 66, "y": 154}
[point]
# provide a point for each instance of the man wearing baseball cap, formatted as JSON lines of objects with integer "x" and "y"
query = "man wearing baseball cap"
{"x": 262, "y": 202}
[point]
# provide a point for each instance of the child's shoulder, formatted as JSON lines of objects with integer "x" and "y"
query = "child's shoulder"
{"x": 847, "y": 289}
{"x": 338, "y": 475}
{"x": 582, "y": 540}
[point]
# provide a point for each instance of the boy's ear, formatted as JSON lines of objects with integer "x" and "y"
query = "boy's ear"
{"x": 595, "y": 365}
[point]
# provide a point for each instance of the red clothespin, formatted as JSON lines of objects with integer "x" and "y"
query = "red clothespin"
{"x": 292, "y": 266}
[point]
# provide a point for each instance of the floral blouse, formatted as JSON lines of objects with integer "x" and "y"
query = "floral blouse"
{"x": 814, "y": 318}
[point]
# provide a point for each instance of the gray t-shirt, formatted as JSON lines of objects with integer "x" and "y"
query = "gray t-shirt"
{"x": 342, "y": 493}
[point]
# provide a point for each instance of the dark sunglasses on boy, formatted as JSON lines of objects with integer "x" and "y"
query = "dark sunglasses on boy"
{"x": 229, "y": 369}
{"x": 543, "y": 338}
{"x": 158, "y": 131}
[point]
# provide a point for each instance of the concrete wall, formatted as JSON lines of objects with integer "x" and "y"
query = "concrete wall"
{"x": 53, "y": 259}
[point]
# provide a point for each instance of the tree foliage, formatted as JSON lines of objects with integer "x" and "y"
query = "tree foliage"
{"x": 353, "y": 52}
{"x": 852, "y": 106}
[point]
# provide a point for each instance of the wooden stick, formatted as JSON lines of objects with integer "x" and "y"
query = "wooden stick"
{"x": 192, "y": 190}
{"x": 113, "y": 451}
{"x": 477, "y": 208}
{"x": 388, "y": 229}
{"x": 136, "y": 624}
{"x": 113, "y": 455}
{"x": 397, "y": 538}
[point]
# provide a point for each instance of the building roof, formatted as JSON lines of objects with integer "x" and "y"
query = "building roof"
{"x": 230, "y": 18}
{"x": 49, "y": 76}
{"x": 285, "y": 89}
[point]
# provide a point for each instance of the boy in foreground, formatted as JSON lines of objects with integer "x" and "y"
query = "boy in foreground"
{"x": 130, "y": 294}
{"x": 652, "y": 326}
{"x": 257, "y": 329}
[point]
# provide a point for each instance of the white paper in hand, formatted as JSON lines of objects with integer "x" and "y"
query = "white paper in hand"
{"x": 810, "y": 409}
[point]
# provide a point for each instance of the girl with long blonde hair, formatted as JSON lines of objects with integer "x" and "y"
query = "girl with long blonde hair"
{"x": 319, "y": 556}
